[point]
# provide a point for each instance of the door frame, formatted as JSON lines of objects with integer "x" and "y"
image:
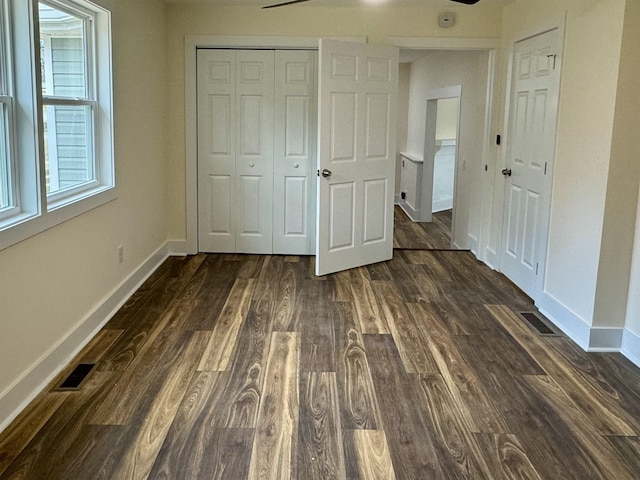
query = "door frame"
{"x": 192, "y": 44}
{"x": 479, "y": 245}
{"x": 454, "y": 91}
{"x": 554, "y": 22}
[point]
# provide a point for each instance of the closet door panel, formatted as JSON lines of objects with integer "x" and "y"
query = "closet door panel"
{"x": 294, "y": 152}
{"x": 254, "y": 146}
{"x": 216, "y": 150}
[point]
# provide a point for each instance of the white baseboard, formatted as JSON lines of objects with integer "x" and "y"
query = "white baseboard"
{"x": 414, "y": 215}
{"x": 605, "y": 339}
{"x": 491, "y": 258}
{"x": 571, "y": 324}
{"x": 18, "y": 395}
{"x": 631, "y": 346}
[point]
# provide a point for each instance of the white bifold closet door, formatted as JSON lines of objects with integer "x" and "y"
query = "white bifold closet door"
{"x": 256, "y": 144}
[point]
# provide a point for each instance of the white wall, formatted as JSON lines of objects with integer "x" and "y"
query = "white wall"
{"x": 585, "y": 127}
{"x": 442, "y": 69}
{"x": 53, "y": 281}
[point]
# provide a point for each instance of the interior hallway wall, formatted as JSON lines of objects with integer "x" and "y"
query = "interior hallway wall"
{"x": 442, "y": 69}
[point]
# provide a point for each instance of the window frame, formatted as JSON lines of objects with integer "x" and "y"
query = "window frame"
{"x": 36, "y": 210}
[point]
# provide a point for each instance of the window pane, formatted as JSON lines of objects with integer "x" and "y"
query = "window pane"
{"x": 62, "y": 51}
{"x": 5, "y": 171}
{"x": 68, "y": 132}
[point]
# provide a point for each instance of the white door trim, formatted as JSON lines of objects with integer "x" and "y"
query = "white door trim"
{"x": 554, "y": 22}
{"x": 454, "y": 91}
{"x": 192, "y": 43}
{"x": 480, "y": 246}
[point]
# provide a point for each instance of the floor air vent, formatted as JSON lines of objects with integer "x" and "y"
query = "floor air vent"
{"x": 540, "y": 324}
{"x": 77, "y": 377}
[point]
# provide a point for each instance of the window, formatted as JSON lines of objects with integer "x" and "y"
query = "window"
{"x": 56, "y": 157}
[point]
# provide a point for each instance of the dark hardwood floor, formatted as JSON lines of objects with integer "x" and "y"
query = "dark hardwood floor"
{"x": 234, "y": 367}
{"x": 435, "y": 235}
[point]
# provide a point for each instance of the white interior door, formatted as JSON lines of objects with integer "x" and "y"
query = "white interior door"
{"x": 532, "y": 134}
{"x": 216, "y": 150}
{"x": 235, "y": 150}
{"x": 294, "y": 186}
{"x": 356, "y": 156}
{"x": 254, "y": 163}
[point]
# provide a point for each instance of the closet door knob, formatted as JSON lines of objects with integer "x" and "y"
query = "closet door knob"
{"x": 251, "y": 164}
{"x": 296, "y": 165}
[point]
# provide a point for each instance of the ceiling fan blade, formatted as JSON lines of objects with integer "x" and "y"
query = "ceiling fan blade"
{"x": 466, "y": 2}
{"x": 290, "y": 2}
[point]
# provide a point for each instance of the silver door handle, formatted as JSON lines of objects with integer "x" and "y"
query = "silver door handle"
{"x": 326, "y": 173}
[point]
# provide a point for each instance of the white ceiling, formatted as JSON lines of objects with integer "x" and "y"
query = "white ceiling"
{"x": 348, "y": 3}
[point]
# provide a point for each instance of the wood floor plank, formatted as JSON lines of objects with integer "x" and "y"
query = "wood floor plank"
{"x": 544, "y": 433}
{"x": 506, "y": 457}
{"x": 307, "y": 394}
{"x": 369, "y": 315}
{"x": 600, "y": 374}
{"x": 222, "y": 342}
{"x": 243, "y": 389}
{"x": 318, "y": 345}
{"x": 603, "y": 457}
{"x": 25, "y": 427}
{"x": 373, "y": 458}
{"x": 57, "y": 435}
{"x": 474, "y": 403}
{"x": 274, "y": 451}
{"x": 320, "y": 451}
{"x": 151, "y": 428}
{"x": 147, "y": 369}
{"x": 607, "y": 417}
{"x": 341, "y": 286}
{"x": 628, "y": 449}
{"x": 192, "y": 448}
{"x": 457, "y": 447}
{"x": 411, "y": 448}
{"x": 91, "y": 455}
{"x": 287, "y": 298}
{"x": 409, "y": 337}
{"x": 359, "y": 407}
{"x": 172, "y": 308}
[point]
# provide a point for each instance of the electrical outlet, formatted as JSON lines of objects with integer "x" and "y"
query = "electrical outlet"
{"x": 120, "y": 253}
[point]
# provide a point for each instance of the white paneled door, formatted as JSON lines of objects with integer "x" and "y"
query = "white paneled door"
{"x": 532, "y": 135}
{"x": 256, "y": 155}
{"x": 357, "y": 123}
{"x": 294, "y": 187}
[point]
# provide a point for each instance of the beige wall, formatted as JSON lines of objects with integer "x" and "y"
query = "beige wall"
{"x": 447, "y": 121}
{"x": 53, "y": 281}
{"x": 375, "y": 23}
{"x": 404, "y": 76}
{"x": 628, "y": 134}
{"x": 622, "y": 184}
{"x": 586, "y": 113}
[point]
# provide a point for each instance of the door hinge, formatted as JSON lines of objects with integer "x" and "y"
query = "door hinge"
{"x": 537, "y": 265}
{"x": 498, "y": 139}
{"x": 545, "y": 168}
{"x": 318, "y": 172}
{"x": 554, "y": 59}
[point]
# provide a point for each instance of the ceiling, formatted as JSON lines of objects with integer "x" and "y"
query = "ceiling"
{"x": 348, "y": 3}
